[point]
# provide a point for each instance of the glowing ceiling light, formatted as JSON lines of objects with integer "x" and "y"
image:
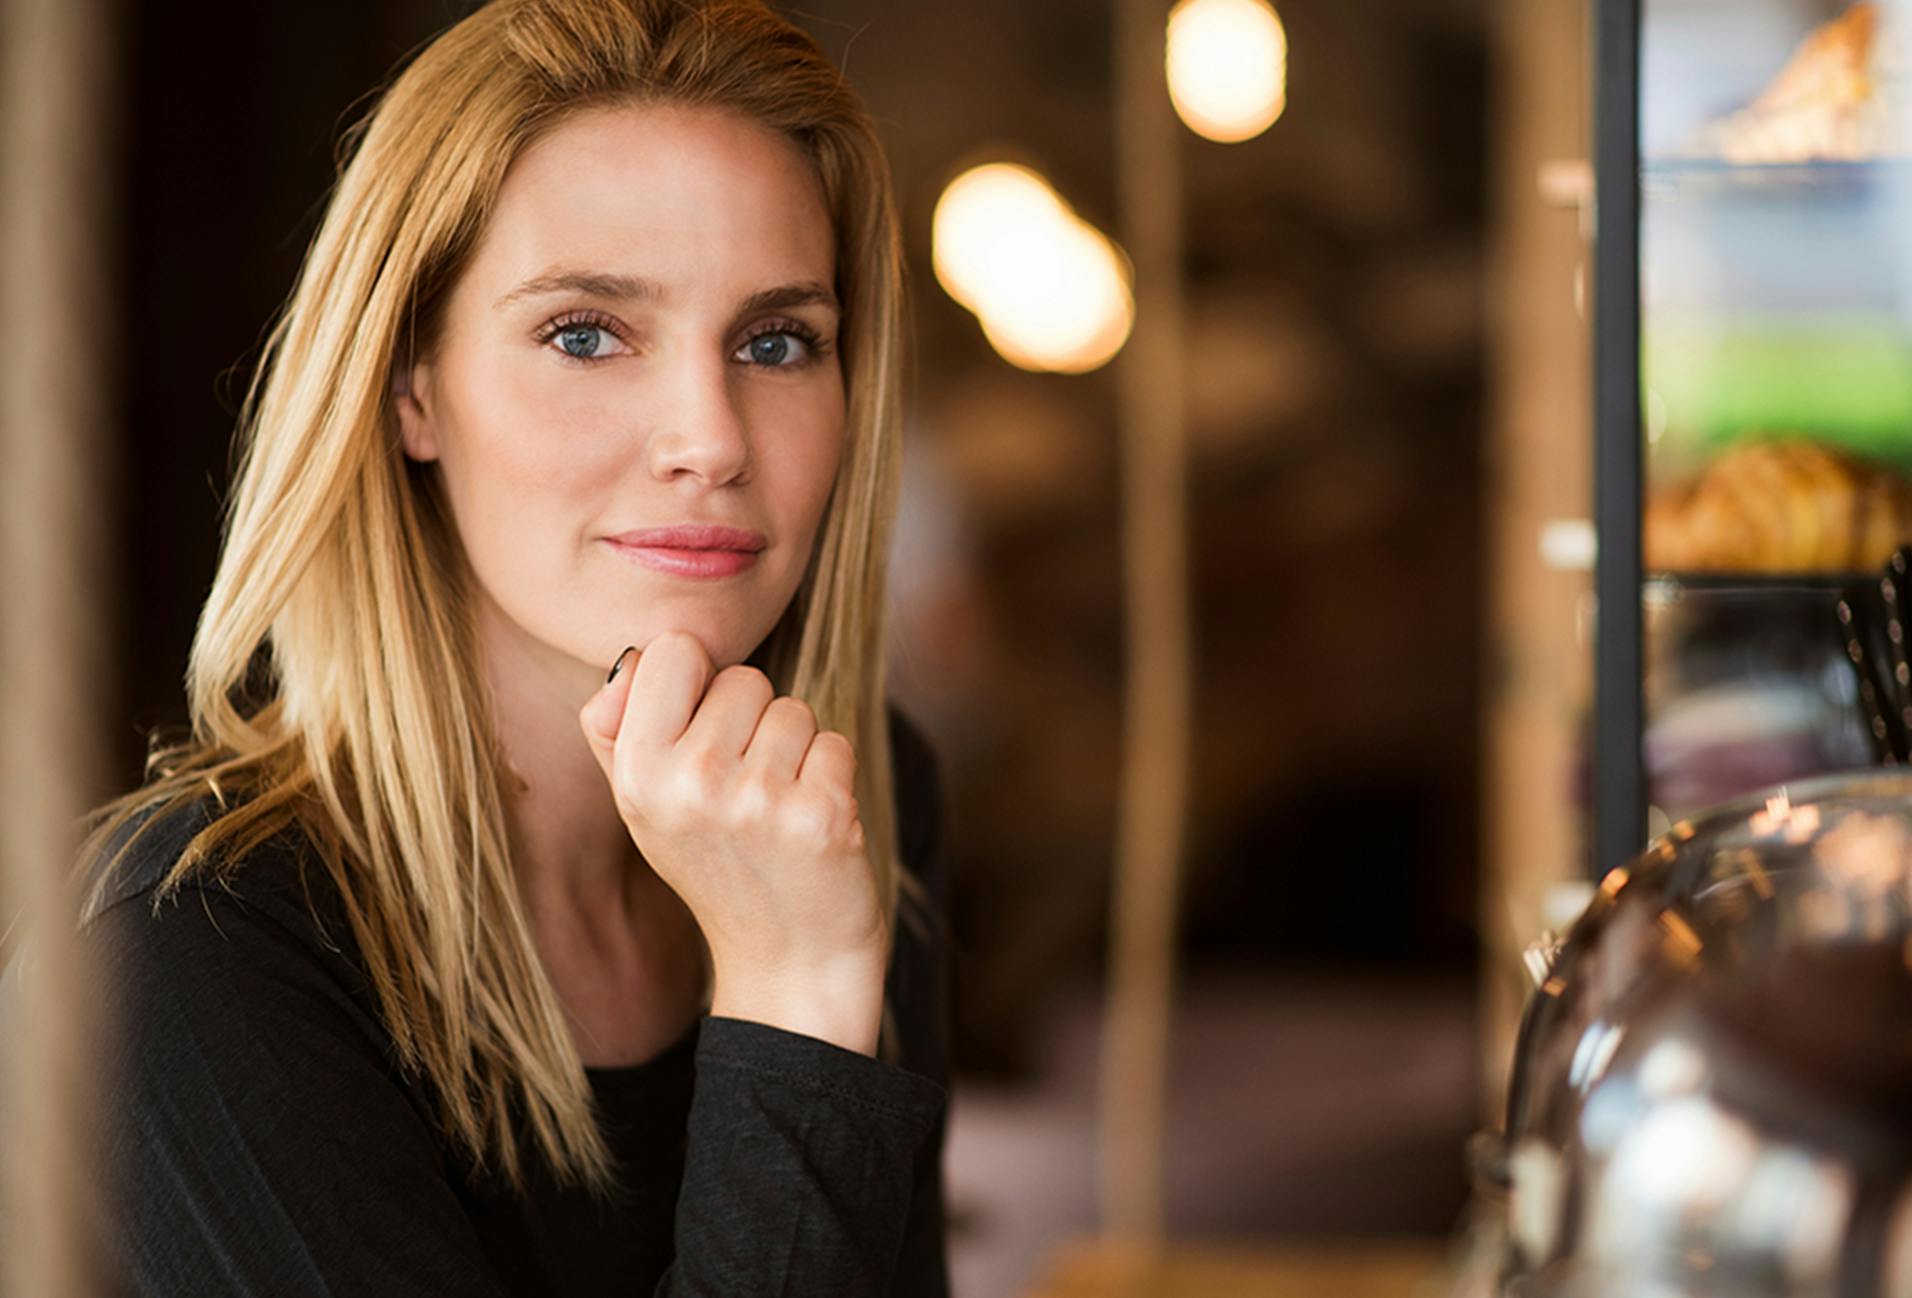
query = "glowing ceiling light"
{"x": 1071, "y": 318}
{"x": 1227, "y": 67}
{"x": 989, "y": 223}
{"x": 1052, "y": 293}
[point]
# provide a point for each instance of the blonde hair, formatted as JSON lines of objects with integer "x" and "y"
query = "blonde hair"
{"x": 339, "y": 610}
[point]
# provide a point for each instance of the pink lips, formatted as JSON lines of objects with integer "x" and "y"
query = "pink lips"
{"x": 692, "y": 549}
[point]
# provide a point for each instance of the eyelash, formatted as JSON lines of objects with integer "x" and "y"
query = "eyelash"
{"x": 810, "y": 338}
{"x": 812, "y": 341}
{"x": 572, "y": 320}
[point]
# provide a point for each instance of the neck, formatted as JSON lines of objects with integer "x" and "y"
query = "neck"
{"x": 574, "y": 857}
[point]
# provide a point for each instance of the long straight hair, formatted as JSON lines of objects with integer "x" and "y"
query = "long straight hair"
{"x": 333, "y": 681}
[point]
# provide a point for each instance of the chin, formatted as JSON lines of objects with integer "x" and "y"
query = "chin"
{"x": 725, "y": 644}
{"x": 729, "y": 632}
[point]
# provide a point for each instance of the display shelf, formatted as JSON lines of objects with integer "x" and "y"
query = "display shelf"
{"x": 1746, "y": 302}
{"x": 1671, "y": 176}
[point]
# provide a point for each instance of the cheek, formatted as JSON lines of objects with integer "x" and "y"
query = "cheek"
{"x": 800, "y": 440}
{"x": 522, "y": 442}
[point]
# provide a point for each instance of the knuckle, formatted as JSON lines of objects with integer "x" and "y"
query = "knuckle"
{"x": 695, "y": 782}
{"x": 680, "y": 643}
{"x": 832, "y": 765}
{"x": 795, "y": 710}
{"x": 751, "y": 799}
{"x": 707, "y": 765}
{"x": 810, "y": 816}
{"x": 743, "y": 675}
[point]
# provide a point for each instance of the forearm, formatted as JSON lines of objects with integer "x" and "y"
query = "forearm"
{"x": 841, "y": 1004}
{"x": 802, "y": 1162}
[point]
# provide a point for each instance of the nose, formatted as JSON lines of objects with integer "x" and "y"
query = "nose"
{"x": 697, "y": 429}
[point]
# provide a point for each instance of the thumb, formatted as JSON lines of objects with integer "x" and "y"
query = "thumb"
{"x": 603, "y": 713}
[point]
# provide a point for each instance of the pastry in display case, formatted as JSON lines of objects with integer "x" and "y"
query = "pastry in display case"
{"x": 1709, "y": 1093}
{"x": 1757, "y": 567}
{"x": 1775, "y": 351}
{"x": 1775, "y": 269}
{"x": 1779, "y": 505}
{"x": 1842, "y": 96}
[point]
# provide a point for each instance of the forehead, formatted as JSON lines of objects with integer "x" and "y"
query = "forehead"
{"x": 701, "y": 200}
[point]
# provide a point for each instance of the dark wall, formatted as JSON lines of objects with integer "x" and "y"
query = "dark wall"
{"x": 230, "y": 114}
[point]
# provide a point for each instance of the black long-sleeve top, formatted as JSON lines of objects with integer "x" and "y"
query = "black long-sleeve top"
{"x": 259, "y": 1139}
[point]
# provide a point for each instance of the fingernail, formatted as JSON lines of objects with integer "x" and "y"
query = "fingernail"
{"x": 618, "y": 666}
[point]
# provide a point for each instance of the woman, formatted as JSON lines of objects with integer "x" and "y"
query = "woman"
{"x": 423, "y": 936}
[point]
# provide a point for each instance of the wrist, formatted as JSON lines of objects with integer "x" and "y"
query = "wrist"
{"x": 842, "y": 1005}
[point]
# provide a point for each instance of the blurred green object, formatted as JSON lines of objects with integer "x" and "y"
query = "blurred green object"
{"x": 1845, "y": 381}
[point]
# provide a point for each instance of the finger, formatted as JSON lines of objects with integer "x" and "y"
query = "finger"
{"x": 601, "y": 713}
{"x": 830, "y": 763}
{"x": 667, "y": 684}
{"x": 728, "y": 715}
{"x": 782, "y": 738}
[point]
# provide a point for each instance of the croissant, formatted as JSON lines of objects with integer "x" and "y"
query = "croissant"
{"x": 1779, "y": 506}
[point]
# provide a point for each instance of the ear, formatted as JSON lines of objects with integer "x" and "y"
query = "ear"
{"x": 410, "y": 388}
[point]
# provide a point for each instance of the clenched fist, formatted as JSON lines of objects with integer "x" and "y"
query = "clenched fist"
{"x": 749, "y": 813}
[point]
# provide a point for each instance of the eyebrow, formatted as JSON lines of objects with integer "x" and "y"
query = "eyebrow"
{"x": 785, "y": 296}
{"x": 595, "y": 283}
{"x": 634, "y": 288}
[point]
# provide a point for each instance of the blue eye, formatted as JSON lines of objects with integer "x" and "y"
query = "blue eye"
{"x": 583, "y": 338}
{"x": 770, "y": 349}
{"x": 581, "y": 341}
{"x": 789, "y": 346}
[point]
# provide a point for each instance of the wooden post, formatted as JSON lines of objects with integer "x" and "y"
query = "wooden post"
{"x": 1155, "y": 741}
{"x": 1538, "y": 470}
{"x": 56, "y": 370}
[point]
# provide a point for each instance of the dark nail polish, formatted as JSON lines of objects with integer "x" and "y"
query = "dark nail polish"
{"x": 618, "y": 666}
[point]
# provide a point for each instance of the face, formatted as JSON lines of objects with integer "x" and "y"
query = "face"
{"x": 645, "y": 338}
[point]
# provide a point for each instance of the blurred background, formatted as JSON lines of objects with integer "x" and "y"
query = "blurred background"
{"x": 1385, "y": 397}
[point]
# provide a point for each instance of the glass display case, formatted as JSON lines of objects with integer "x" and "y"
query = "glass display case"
{"x": 1707, "y": 1088}
{"x": 1753, "y": 394}
{"x": 1708, "y": 1092}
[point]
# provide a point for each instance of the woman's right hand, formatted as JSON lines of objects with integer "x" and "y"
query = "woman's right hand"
{"x": 749, "y": 813}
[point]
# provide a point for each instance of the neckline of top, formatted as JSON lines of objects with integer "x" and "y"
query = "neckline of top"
{"x": 677, "y": 1050}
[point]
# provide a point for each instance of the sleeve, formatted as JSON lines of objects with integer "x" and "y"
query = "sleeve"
{"x": 814, "y": 1169}
{"x": 255, "y": 1141}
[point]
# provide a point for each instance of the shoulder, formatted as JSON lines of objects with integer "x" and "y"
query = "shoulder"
{"x": 141, "y": 854}
{"x": 143, "y": 851}
{"x": 269, "y": 924}
{"x": 230, "y": 1004}
{"x": 255, "y": 1123}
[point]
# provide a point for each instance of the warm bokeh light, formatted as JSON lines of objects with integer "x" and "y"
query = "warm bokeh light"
{"x": 1227, "y": 67}
{"x": 990, "y": 221}
{"x": 1051, "y": 291}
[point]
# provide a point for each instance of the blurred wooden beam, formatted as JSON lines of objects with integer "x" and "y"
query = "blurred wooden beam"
{"x": 56, "y": 633}
{"x": 1155, "y": 738}
{"x": 1538, "y": 474}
